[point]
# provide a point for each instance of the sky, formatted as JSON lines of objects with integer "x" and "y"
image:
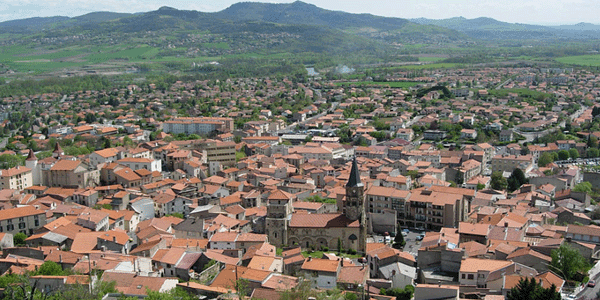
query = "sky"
{"x": 542, "y": 12}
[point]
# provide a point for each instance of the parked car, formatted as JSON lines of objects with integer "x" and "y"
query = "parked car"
{"x": 591, "y": 283}
{"x": 420, "y": 237}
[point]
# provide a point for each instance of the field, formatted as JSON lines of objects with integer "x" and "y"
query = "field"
{"x": 393, "y": 84}
{"x": 581, "y": 60}
{"x": 430, "y": 66}
{"x": 38, "y": 60}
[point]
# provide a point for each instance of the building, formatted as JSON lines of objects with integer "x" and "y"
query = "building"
{"x": 141, "y": 163}
{"x": 285, "y": 227}
{"x": 105, "y": 156}
{"x": 506, "y": 136}
{"x": 17, "y": 178}
{"x": 508, "y": 163}
{"x": 434, "y": 135}
{"x": 221, "y": 152}
{"x": 71, "y": 174}
{"x": 436, "y": 291}
{"x": 201, "y": 125}
{"x": 24, "y": 219}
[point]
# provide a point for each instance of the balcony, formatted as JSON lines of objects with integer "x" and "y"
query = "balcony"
{"x": 418, "y": 204}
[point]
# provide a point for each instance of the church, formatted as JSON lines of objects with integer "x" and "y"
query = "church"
{"x": 285, "y": 227}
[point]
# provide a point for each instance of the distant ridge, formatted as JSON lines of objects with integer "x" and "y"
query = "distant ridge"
{"x": 239, "y": 16}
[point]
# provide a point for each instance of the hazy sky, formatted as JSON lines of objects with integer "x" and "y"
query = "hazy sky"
{"x": 545, "y": 12}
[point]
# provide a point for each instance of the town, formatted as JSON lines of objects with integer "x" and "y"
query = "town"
{"x": 458, "y": 185}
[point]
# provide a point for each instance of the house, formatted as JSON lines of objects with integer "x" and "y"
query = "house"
{"x": 468, "y": 134}
{"x": 71, "y": 173}
{"x": 434, "y": 135}
{"x": 506, "y": 135}
{"x": 130, "y": 284}
{"x": 477, "y": 272}
{"x": 323, "y": 273}
{"x": 25, "y": 219}
{"x": 17, "y": 178}
{"x": 105, "y": 156}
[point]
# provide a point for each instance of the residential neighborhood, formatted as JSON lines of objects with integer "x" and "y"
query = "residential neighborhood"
{"x": 282, "y": 184}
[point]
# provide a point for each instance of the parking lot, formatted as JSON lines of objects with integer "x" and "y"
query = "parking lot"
{"x": 412, "y": 244}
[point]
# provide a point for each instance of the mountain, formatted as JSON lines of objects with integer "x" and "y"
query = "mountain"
{"x": 491, "y": 29}
{"x": 100, "y": 16}
{"x": 30, "y": 24}
{"x": 307, "y": 14}
{"x": 578, "y": 27}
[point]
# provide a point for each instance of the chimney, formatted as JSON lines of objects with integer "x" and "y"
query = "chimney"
{"x": 505, "y": 224}
{"x": 439, "y": 283}
{"x": 114, "y": 239}
{"x": 60, "y": 258}
{"x": 309, "y": 258}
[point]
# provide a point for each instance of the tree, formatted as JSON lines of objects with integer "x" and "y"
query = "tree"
{"x": 528, "y": 289}
{"x": 498, "y": 182}
{"x": 592, "y": 152}
{"x": 584, "y": 187}
{"x": 545, "y": 159}
{"x": 573, "y": 153}
{"x": 569, "y": 261}
{"x": 50, "y": 268}
{"x": 19, "y": 239}
{"x": 401, "y": 294}
{"x": 563, "y": 154}
{"x": 399, "y": 239}
{"x": 516, "y": 179}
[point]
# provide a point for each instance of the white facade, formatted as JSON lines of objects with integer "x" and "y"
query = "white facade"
{"x": 141, "y": 163}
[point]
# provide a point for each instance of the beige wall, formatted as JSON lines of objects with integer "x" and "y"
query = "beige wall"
{"x": 17, "y": 182}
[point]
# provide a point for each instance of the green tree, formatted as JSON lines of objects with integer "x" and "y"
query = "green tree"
{"x": 399, "y": 239}
{"x": 569, "y": 261}
{"x": 174, "y": 294}
{"x": 19, "y": 239}
{"x": 585, "y": 187}
{"x": 50, "y": 268}
{"x": 498, "y": 182}
{"x": 573, "y": 153}
{"x": 528, "y": 289}
{"x": 545, "y": 159}
{"x": 516, "y": 179}
{"x": 401, "y": 294}
{"x": 592, "y": 152}
{"x": 563, "y": 154}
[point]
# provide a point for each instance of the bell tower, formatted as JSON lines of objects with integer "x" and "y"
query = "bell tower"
{"x": 354, "y": 206}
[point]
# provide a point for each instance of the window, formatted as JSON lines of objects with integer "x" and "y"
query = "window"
{"x": 463, "y": 276}
{"x": 470, "y": 276}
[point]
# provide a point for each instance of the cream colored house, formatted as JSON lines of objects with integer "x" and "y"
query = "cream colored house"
{"x": 17, "y": 178}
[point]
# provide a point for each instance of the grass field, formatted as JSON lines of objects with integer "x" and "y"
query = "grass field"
{"x": 581, "y": 60}
{"x": 394, "y": 84}
{"x": 430, "y": 66}
{"x": 430, "y": 58}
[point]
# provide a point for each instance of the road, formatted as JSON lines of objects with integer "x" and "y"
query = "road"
{"x": 292, "y": 127}
{"x": 589, "y": 293}
{"x": 531, "y": 136}
{"x": 503, "y": 84}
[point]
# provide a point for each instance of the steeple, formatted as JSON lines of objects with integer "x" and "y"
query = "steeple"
{"x": 31, "y": 156}
{"x": 354, "y": 179}
{"x": 58, "y": 151}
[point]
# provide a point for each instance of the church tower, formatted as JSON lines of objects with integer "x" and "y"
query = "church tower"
{"x": 279, "y": 210}
{"x": 354, "y": 206}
